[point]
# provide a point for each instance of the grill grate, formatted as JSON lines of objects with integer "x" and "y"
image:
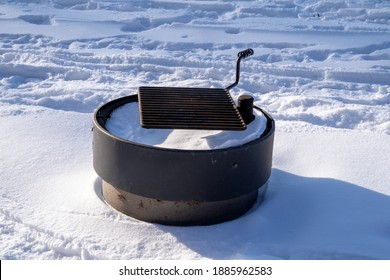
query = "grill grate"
{"x": 188, "y": 108}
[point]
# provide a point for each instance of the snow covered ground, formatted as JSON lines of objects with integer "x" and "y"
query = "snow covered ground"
{"x": 320, "y": 68}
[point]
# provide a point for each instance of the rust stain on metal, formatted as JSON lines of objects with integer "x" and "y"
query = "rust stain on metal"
{"x": 193, "y": 203}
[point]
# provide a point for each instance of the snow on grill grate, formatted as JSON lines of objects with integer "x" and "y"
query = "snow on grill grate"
{"x": 188, "y": 108}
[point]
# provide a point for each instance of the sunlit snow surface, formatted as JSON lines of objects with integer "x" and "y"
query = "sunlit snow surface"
{"x": 320, "y": 68}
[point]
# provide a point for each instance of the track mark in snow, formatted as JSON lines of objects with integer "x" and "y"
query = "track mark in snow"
{"x": 367, "y": 77}
{"x": 25, "y": 70}
{"x": 137, "y": 25}
{"x": 32, "y": 241}
{"x": 74, "y": 75}
{"x": 60, "y": 4}
{"x": 38, "y": 19}
{"x": 233, "y": 30}
{"x": 111, "y": 215}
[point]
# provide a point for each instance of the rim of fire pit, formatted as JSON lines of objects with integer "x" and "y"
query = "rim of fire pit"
{"x": 103, "y": 113}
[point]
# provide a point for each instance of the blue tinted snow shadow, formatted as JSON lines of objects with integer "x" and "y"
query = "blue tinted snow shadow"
{"x": 300, "y": 218}
{"x": 37, "y": 19}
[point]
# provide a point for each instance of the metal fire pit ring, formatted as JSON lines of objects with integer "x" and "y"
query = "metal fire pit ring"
{"x": 179, "y": 187}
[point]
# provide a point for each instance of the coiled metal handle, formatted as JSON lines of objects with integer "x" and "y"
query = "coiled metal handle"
{"x": 240, "y": 55}
{"x": 246, "y": 53}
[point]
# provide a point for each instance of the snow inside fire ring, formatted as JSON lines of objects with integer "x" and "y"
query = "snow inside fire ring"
{"x": 124, "y": 122}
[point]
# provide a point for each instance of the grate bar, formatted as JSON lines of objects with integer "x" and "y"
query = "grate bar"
{"x": 188, "y": 108}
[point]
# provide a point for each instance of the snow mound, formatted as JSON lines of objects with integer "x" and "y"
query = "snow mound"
{"x": 124, "y": 122}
